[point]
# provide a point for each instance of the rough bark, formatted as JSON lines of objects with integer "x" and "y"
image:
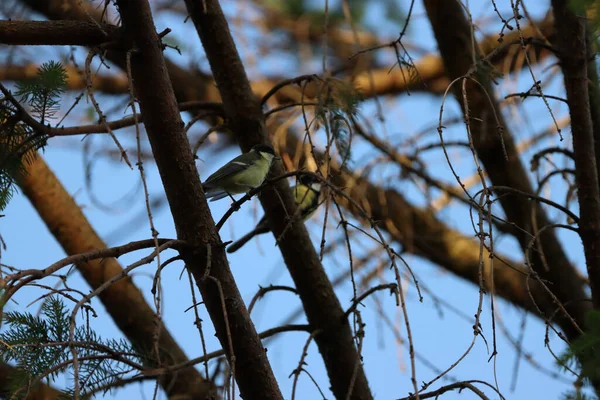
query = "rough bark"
{"x": 245, "y": 119}
{"x": 55, "y": 33}
{"x": 123, "y": 300}
{"x": 572, "y": 40}
{"x": 421, "y": 233}
{"x": 193, "y": 221}
{"x": 594, "y": 96}
{"x": 453, "y": 34}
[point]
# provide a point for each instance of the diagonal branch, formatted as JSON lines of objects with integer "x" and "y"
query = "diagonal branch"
{"x": 421, "y": 233}
{"x": 496, "y": 149}
{"x": 246, "y": 120}
{"x": 191, "y": 215}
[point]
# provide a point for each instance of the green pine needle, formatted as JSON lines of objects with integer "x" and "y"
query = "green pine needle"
{"x": 41, "y": 96}
{"x": 584, "y": 352}
{"x": 37, "y": 344}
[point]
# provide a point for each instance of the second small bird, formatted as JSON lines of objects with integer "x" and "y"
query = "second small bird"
{"x": 306, "y": 194}
{"x": 240, "y": 175}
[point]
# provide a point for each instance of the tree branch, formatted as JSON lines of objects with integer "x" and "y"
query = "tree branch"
{"x": 193, "y": 221}
{"x": 106, "y": 83}
{"x": 573, "y": 55}
{"x": 245, "y": 118}
{"x": 496, "y": 149}
{"x": 55, "y": 33}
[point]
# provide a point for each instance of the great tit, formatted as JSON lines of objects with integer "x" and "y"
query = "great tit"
{"x": 240, "y": 175}
{"x": 306, "y": 194}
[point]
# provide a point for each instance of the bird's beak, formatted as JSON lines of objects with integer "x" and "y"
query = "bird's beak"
{"x": 276, "y": 157}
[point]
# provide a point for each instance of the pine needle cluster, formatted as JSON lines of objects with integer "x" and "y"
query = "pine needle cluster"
{"x": 40, "y": 98}
{"x": 39, "y": 345}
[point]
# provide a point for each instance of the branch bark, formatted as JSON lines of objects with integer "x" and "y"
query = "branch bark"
{"x": 193, "y": 221}
{"x": 123, "y": 300}
{"x": 453, "y": 34}
{"x": 572, "y": 39}
{"x": 246, "y": 120}
{"x": 594, "y": 96}
{"x": 421, "y": 233}
{"x": 55, "y": 33}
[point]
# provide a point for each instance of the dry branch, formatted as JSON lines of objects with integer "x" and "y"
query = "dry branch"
{"x": 421, "y": 233}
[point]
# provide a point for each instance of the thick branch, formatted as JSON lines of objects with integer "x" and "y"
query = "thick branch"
{"x": 420, "y": 232}
{"x": 244, "y": 117}
{"x": 123, "y": 300}
{"x": 191, "y": 214}
{"x": 55, "y": 33}
{"x": 573, "y": 55}
{"x": 594, "y": 94}
{"x": 453, "y": 34}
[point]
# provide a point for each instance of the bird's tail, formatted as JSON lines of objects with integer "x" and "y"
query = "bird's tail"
{"x": 213, "y": 193}
{"x": 261, "y": 228}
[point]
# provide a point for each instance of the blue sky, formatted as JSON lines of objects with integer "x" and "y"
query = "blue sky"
{"x": 440, "y": 339}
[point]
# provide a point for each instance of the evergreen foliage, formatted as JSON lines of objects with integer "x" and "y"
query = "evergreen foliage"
{"x": 39, "y": 346}
{"x": 584, "y": 355}
{"x": 18, "y": 141}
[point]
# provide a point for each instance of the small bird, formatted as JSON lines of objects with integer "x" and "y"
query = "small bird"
{"x": 306, "y": 194}
{"x": 240, "y": 175}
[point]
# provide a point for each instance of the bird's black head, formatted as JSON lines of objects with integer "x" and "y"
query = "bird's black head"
{"x": 264, "y": 148}
{"x": 311, "y": 181}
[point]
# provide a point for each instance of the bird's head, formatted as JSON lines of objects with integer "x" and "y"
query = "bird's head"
{"x": 265, "y": 151}
{"x": 311, "y": 181}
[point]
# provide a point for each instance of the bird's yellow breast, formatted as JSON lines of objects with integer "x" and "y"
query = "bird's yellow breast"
{"x": 254, "y": 175}
{"x": 306, "y": 199}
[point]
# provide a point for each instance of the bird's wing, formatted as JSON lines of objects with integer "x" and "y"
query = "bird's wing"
{"x": 234, "y": 166}
{"x": 224, "y": 172}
